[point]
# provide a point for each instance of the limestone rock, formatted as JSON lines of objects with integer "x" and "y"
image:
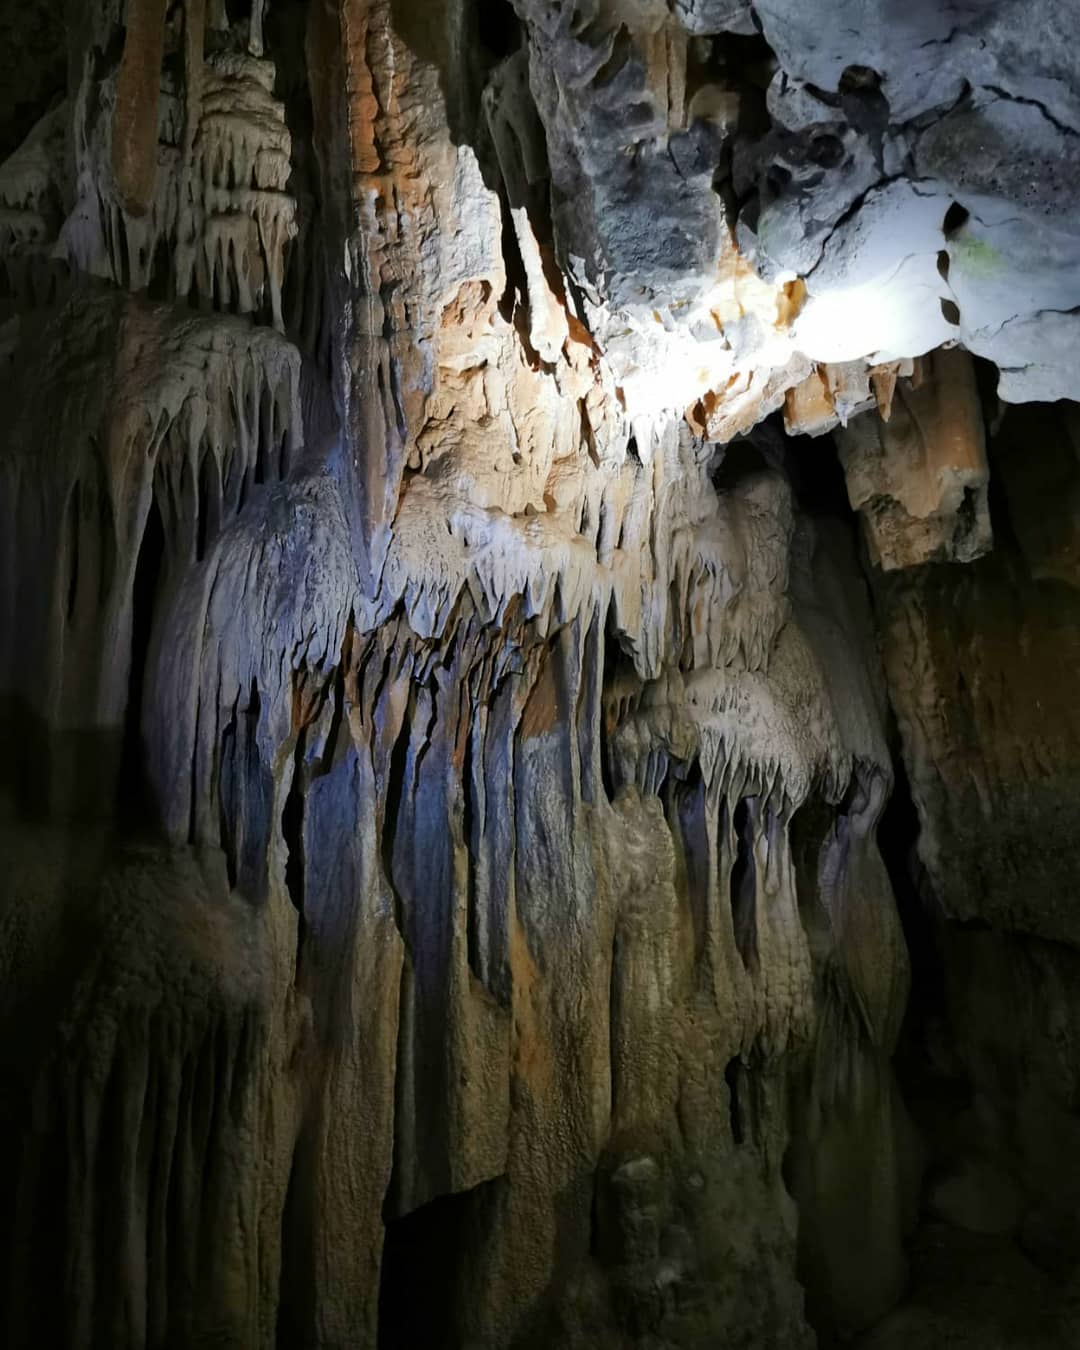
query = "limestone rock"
{"x": 446, "y": 740}
{"x": 919, "y": 480}
{"x": 978, "y": 1197}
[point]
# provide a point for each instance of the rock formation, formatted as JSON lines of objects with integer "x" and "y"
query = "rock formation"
{"x": 493, "y": 501}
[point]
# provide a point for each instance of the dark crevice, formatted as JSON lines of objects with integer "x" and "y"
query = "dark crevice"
{"x": 159, "y": 286}
{"x": 226, "y": 797}
{"x": 193, "y": 775}
{"x": 498, "y": 30}
{"x": 614, "y": 662}
{"x": 732, "y": 1075}
{"x": 956, "y": 217}
{"x": 73, "y": 552}
{"x": 429, "y": 732}
{"x": 826, "y": 150}
{"x": 208, "y": 508}
{"x": 335, "y": 741}
{"x": 621, "y": 52}
{"x": 264, "y": 411}
{"x": 588, "y": 437}
{"x": 743, "y": 59}
{"x": 245, "y": 482}
{"x": 688, "y": 816}
{"x": 777, "y": 179}
{"x": 613, "y": 1025}
{"x": 811, "y": 826}
{"x": 859, "y": 80}
{"x": 1019, "y": 429}
{"x": 812, "y": 465}
{"x": 135, "y": 806}
{"x": 292, "y": 831}
{"x": 966, "y": 514}
{"x": 606, "y": 775}
{"x": 743, "y": 881}
{"x": 296, "y": 1298}
{"x": 423, "y": 1289}
{"x": 735, "y": 462}
{"x": 515, "y": 291}
{"x": 471, "y": 840}
{"x": 898, "y": 838}
{"x": 395, "y": 790}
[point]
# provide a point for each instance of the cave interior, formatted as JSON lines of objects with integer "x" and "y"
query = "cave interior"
{"x": 539, "y": 619}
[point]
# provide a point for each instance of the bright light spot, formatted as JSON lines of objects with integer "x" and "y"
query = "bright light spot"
{"x": 896, "y": 314}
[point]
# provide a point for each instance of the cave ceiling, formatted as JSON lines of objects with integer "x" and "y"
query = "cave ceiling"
{"x": 913, "y": 166}
{"x": 737, "y": 193}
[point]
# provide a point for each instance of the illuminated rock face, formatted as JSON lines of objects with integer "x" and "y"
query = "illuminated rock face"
{"x": 442, "y": 901}
{"x": 919, "y": 480}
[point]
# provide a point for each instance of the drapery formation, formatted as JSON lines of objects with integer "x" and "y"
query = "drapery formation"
{"x": 440, "y": 816}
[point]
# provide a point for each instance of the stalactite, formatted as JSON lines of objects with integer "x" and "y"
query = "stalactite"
{"x": 134, "y": 128}
{"x": 448, "y": 742}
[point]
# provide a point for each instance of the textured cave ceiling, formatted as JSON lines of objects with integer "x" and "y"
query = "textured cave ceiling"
{"x": 914, "y": 165}
{"x": 738, "y": 192}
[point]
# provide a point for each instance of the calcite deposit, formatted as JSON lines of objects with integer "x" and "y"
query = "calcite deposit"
{"x": 538, "y": 565}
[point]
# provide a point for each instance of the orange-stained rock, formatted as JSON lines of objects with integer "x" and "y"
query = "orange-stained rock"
{"x": 920, "y": 480}
{"x": 135, "y": 117}
{"x": 833, "y": 393}
{"x": 883, "y": 383}
{"x": 808, "y": 408}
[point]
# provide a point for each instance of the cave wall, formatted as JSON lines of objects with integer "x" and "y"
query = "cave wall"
{"x": 979, "y": 660}
{"x": 442, "y": 901}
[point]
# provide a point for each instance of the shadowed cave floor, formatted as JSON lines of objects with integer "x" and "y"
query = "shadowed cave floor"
{"x": 974, "y": 1291}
